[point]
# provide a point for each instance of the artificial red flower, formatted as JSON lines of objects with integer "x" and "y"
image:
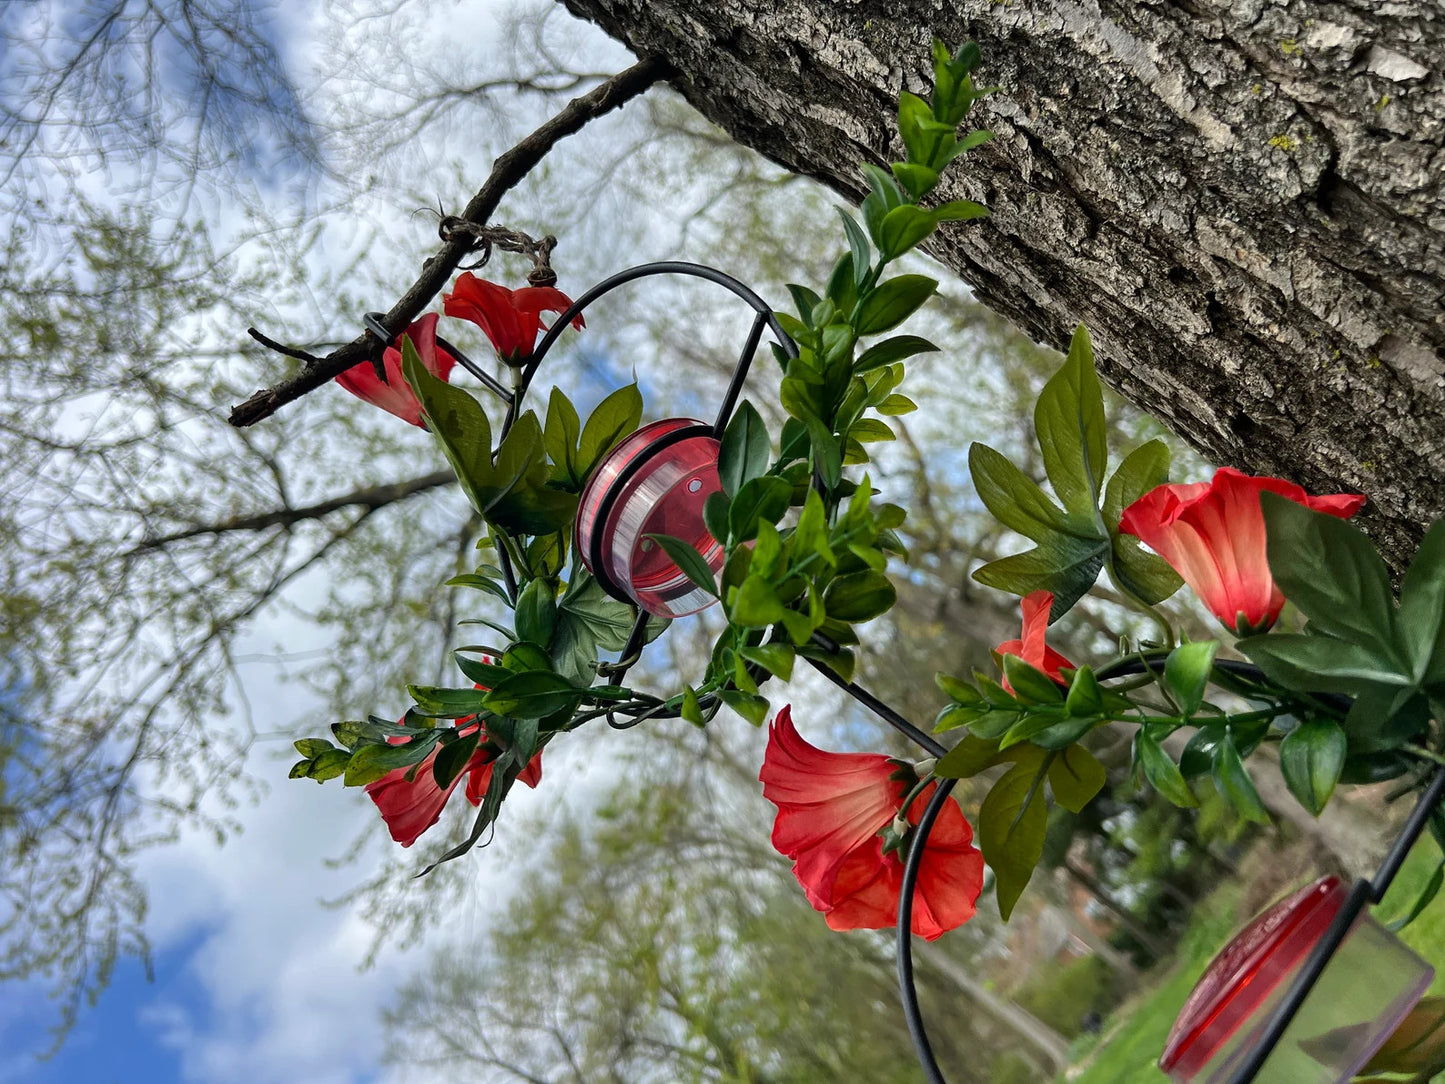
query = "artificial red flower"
{"x": 510, "y": 318}
{"x": 1213, "y": 535}
{"x": 409, "y": 809}
{"x": 395, "y": 395}
{"x": 832, "y": 811}
{"x": 1031, "y": 647}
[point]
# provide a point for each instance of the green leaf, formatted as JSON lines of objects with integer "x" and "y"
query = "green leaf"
{"x": 756, "y": 605}
{"x": 1417, "y": 1046}
{"x": 892, "y": 302}
{"x": 917, "y": 179}
{"x": 310, "y": 748}
{"x": 750, "y": 706}
{"x": 857, "y": 245}
{"x": 1186, "y": 674}
{"x": 745, "y": 452}
{"x": 608, "y": 621}
{"x": 892, "y": 350}
{"x": 902, "y": 228}
{"x": 446, "y": 703}
{"x": 1076, "y": 776}
{"x": 561, "y": 434}
{"x": 960, "y": 210}
{"x": 480, "y": 583}
{"x": 895, "y": 405}
{"x": 777, "y": 657}
{"x": 969, "y": 757}
{"x": 1069, "y": 422}
{"x": 1084, "y": 698}
{"x": 371, "y": 762}
{"x": 1311, "y": 758}
{"x": 1422, "y": 609}
{"x": 1161, "y": 771}
{"x": 692, "y": 710}
{"x": 1320, "y": 663}
{"x": 868, "y": 430}
{"x": 1233, "y": 782}
{"x": 1134, "y": 570}
{"x": 1030, "y": 684}
{"x": 1426, "y": 897}
{"x": 452, "y": 758}
{"x": 536, "y": 613}
{"x": 715, "y": 515}
{"x": 484, "y": 674}
{"x": 859, "y": 596}
{"x": 1329, "y": 569}
{"x": 1013, "y": 498}
{"x": 615, "y": 418}
{"x": 692, "y": 564}
{"x": 1065, "y": 565}
{"x": 328, "y": 765}
{"x": 765, "y": 498}
{"x": 1011, "y": 825}
{"x": 532, "y": 694}
{"x": 458, "y": 422}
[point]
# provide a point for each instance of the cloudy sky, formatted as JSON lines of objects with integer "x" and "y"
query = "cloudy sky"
{"x": 255, "y": 980}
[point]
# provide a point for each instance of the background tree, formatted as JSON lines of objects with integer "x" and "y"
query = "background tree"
{"x": 1241, "y": 200}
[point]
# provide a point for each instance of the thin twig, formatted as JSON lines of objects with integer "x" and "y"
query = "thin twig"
{"x": 507, "y": 172}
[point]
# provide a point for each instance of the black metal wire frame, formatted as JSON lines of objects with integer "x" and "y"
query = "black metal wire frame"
{"x": 1361, "y": 893}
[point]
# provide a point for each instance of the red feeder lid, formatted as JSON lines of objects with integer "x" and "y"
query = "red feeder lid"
{"x": 1247, "y": 971}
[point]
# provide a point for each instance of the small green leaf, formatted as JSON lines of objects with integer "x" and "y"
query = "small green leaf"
{"x": 1076, "y": 776}
{"x": 892, "y": 302}
{"x": 480, "y": 583}
{"x": 371, "y": 762}
{"x": 1186, "y": 674}
{"x": 311, "y": 748}
{"x": 1311, "y": 758}
{"x": 764, "y": 498}
{"x": 859, "y": 596}
{"x": 858, "y": 245}
{"x": 446, "y": 703}
{"x": 745, "y": 452}
{"x": 892, "y": 350}
{"x": 1030, "y": 684}
{"x": 453, "y": 757}
{"x": 776, "y": 657}
{"x": 328, "y": 765}
{"x": 1012, "y": 497}
{"x": 690, "y": 563}
{"x": 960, "y": 210}
{"x": 1426, "y": 897}
{"x": 536, "y": 613}
{"x": 715, "y": 515}
{"x": 532, "y": 694}
{"x": 1011, "y": 826}
{"x": 692, "y": 710}
{"x": 1233, "y": 782}
{"x": 1161, "y": 771}
{"x": 756, "y": 605}
{"x": 1072, "y": 435}
{"x": 969, "y": 757}
{"x": 561, "y": 433}
{"x": 1422, "y": 608}
{"x": 750, "y": 706}
{"x": 615, "y": 418}
{"x": 902, "y": 228}
{"x": 1084, "y": 697}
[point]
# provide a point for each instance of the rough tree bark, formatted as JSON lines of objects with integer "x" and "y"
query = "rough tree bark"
{"x": 1243, "y": 199}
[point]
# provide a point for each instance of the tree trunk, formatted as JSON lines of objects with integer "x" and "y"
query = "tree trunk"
{"x": 1241, "y": 198}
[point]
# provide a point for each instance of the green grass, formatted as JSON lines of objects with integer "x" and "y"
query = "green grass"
{"x": 1134, "y": 1036}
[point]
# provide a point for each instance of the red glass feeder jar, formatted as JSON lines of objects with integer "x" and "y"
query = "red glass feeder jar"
{"x": 654, "y": 482}
{"x": 1366, "y": 989}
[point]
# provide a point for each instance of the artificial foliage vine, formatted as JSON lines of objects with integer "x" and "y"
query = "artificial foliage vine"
{"x": 1358, "y": 696}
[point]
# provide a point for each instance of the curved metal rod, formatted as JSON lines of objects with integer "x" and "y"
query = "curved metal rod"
{"x": 907, "y": 989}
{"x": 661, "y": 267}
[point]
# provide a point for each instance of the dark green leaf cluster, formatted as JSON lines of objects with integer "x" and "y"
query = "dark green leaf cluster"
{"x": 1389, "y": 658}
{"x": 1075, "y": 541}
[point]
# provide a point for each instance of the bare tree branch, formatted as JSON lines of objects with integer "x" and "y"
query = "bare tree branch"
{"x": 508, "y": 170}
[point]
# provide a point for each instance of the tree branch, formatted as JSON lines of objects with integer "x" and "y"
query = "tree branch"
{"x": 507, "y": 171}
{"x": 370, "y": 498}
